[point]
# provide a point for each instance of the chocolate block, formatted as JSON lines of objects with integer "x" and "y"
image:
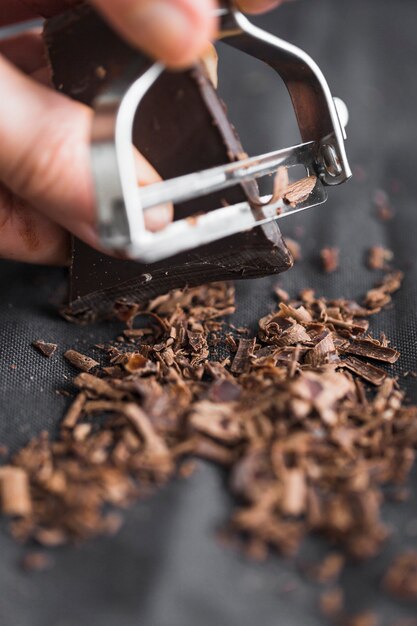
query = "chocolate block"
{"x": 180, "y": 127}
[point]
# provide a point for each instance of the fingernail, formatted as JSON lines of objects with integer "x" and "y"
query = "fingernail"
{"x": 158, "y": 217}
{"x": 161, "y": 27}
{"x": 259, "y": 6}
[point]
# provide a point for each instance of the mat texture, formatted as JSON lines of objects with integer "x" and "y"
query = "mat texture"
{"x": 165, "y": 568}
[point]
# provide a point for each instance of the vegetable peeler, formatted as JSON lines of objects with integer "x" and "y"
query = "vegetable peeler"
{"x": 121, "y": 203}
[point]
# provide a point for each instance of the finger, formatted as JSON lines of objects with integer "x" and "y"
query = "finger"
{"x": 26, "y": 51}
{"x": 45, "y": 148}
{"x": 45, "y": 155}
{"x": 158, "y": 217}
{"x": 258, "y": 6}
{"x": 174, "y": 31}
{"x": 42, "y": 75}
{"x": 27, "y": 235}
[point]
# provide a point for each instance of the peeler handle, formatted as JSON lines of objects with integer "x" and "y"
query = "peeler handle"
{"x": 113, "y": 162}
{"x": 315, "y": 109}
{"x": 121, "y": 204}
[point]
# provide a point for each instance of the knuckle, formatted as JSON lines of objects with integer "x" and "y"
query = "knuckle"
{"x": 54, "y": 159}
{"x": 40, "y": 168}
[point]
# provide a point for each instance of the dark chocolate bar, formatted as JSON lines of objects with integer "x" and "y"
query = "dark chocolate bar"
{"x": 180, "y": 127}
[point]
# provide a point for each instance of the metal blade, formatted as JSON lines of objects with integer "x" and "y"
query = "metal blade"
{"x": 202, "y": 183}
{"x": 189, "y": 234}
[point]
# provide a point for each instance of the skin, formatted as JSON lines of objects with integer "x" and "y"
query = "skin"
{"x": 45, "y": 178}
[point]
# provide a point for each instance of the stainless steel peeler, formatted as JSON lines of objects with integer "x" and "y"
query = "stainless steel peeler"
{"x": 121, "y": 204}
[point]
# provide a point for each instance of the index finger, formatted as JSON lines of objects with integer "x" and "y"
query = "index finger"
{"x": 173, "y": 31}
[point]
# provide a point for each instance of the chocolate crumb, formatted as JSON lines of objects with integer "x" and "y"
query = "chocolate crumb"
{"x": 401, "y": 578}
{"x": 383, "y": 207}
{"x": 330, "y": 259}
{"x": 332, "y": 602}
{"x": 37, "y": 562}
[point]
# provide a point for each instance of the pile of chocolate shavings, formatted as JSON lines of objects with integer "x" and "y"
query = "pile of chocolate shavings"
{"x": 309, "y": 426}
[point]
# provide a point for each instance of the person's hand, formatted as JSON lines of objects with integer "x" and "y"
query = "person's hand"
{"x": 175, "y": 31}
{"x": 45, "y": 177}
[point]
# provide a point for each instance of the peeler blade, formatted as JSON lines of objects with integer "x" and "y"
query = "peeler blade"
{"x": 223, "y": 222}
{"x": 205, "y": 182}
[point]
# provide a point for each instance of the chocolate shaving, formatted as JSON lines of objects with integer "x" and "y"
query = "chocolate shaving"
{"x": 372, "y": 350}
{"x": 368, "y": 372}
{"x": 224, "y": 391}
{"x": 379, "y": 297}
{"x": 14, "y": 491}
{"x": 97, "y": 386}
{"x": 46, "y": 349}
{"x": 219, "y": 421}
{"x": 401, "y": 578}
{"x": 137, "y": 363}
{"x": 81, "y": 361}
{"x": 281, "y": 184}
{"x": 211, "y": 451}
{"x": 281, "y": 294}
{"x": 323, "y": 352}
{"x": 74, "y": 412}
{"x": 299, "y": 191}
{"x": 379, "y": 258}
{"x": 294, "y": 498}
{"x": 241, "y": 362}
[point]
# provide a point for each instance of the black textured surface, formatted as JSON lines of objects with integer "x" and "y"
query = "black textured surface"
{"x": 165, "y": 568}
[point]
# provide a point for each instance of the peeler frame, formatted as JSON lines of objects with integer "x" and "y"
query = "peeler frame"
{"x": 121, "y": 204}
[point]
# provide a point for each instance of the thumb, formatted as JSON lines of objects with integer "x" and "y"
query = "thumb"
{"x": 45, "y": 148}
{"x": 45, "y": 155}
{"x": 173, "y": 31}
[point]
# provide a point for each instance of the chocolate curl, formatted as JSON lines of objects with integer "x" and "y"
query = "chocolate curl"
{"x": 15, "y": 492}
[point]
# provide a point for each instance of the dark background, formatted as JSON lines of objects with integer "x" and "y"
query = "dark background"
{"x": 166, "y": 568}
